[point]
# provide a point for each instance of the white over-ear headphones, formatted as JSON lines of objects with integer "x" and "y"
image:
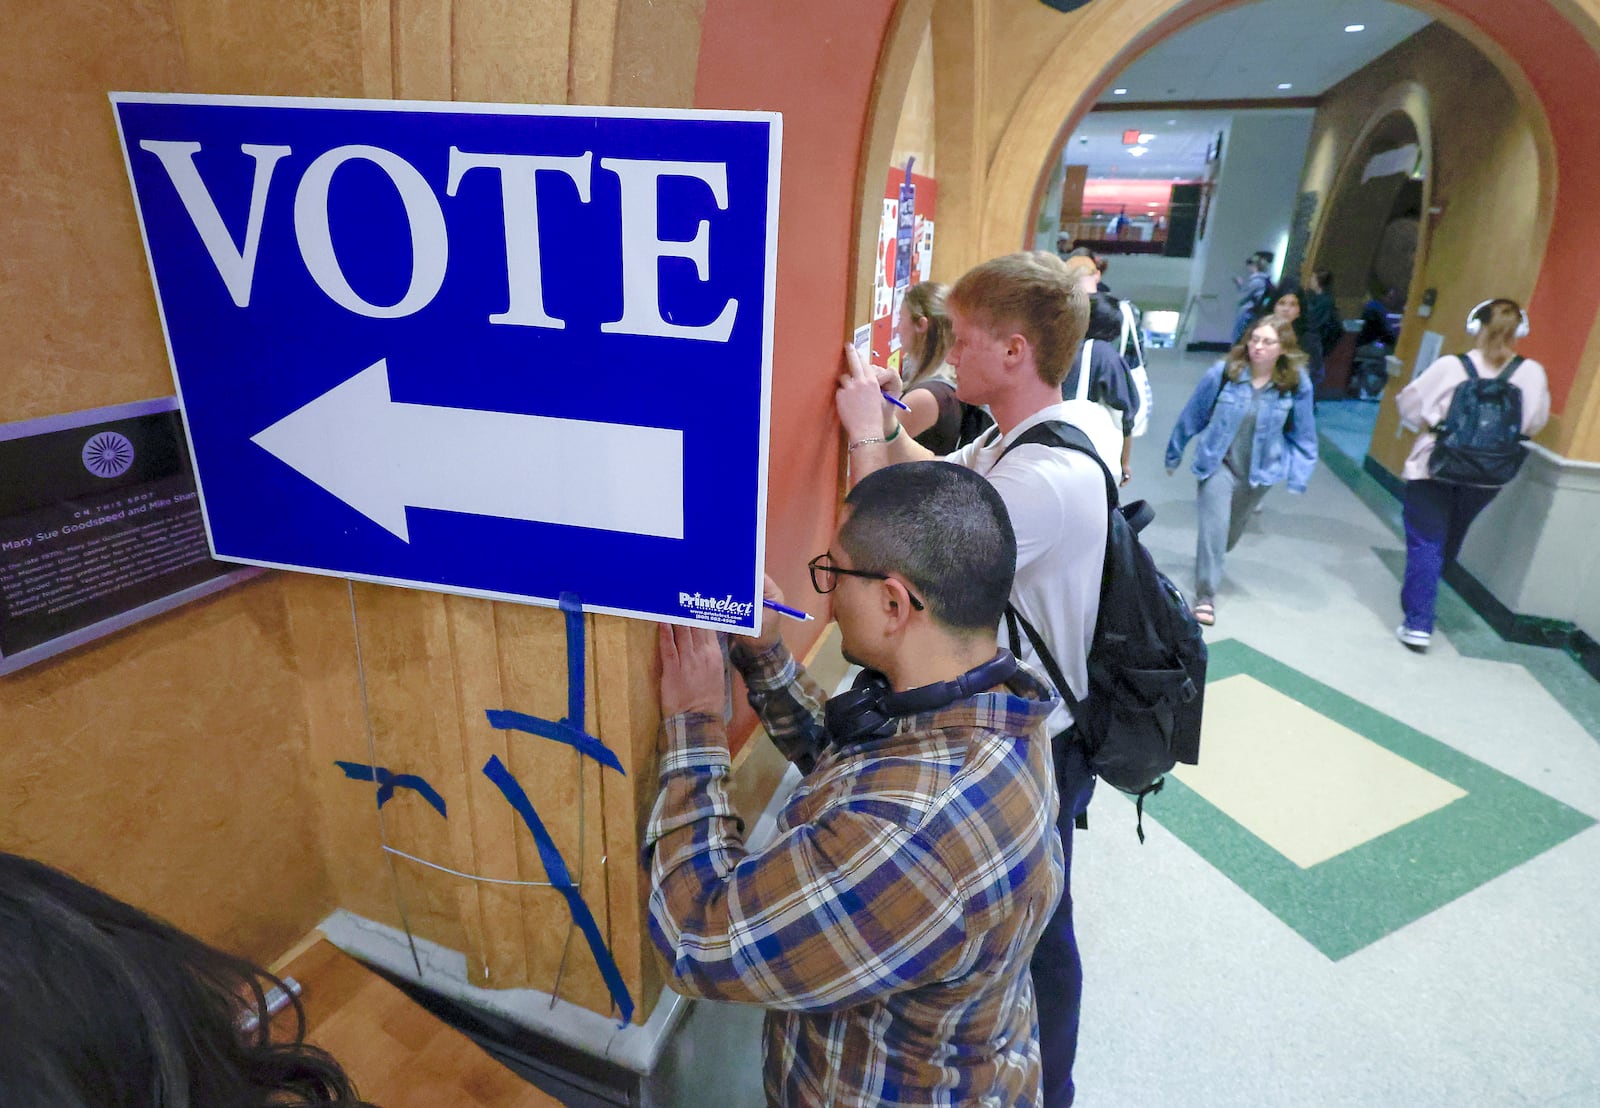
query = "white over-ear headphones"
{"x": 1474, "y": 324}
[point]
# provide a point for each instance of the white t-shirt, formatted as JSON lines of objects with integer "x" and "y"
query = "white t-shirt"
{"x": 1057, "y": 502}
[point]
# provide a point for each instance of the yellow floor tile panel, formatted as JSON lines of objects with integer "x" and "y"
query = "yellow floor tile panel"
{"x": 1308, "y": 787}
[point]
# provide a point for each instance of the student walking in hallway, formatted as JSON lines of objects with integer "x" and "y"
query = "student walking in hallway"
{"x": 1253, "y": 416}
{"x": 1448, "y": 483}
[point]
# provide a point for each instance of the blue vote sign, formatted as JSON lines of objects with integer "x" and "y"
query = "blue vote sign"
{"x": 506, "y": 351}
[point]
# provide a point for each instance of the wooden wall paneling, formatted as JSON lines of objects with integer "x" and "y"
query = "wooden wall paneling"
{"x": 297, "y": 48}
{"x": 164, "y": 765}
{"x": 345, "y": 814}
{"x": 511, "y": 51}
{"x": 399, "y": 699}
{"x": 656, "y": 53}
{"x": 592, "y": 51}
{"x": 377, "y": 49}
{"x": 627, "y": 717}
{"x": 453, "y": 761}
{"x": 532, "y": 648}
{"x": 421, "y": 49}
{"x": 496, "y": 830}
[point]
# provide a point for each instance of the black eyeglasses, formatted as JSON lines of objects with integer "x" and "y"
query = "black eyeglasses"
{"x": 825, "y": 577}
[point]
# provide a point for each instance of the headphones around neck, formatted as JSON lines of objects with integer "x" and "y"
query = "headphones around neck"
{"x": 871, "y": 708}
{"x": 1475, "y": 324}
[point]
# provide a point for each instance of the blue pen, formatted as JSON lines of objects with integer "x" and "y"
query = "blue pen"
{"x": 897, "y": 402}
{"x": 784, "y": 609}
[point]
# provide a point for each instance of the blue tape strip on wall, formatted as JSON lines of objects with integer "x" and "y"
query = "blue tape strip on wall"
{"x": 556, "y": 870}
{"x": 388, "y": 782}
{"x": 572, "y": 607}
{"x": 559, "y": 730}
{"x": 571, "y": 729}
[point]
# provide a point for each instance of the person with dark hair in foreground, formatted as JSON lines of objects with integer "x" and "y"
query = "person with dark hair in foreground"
{"x": 1018, "y": 322}
{"x": 889, "y": 924}
{"x": 103, "y": 1006}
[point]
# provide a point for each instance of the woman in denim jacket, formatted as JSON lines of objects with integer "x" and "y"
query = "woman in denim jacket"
{"x": 1259, "y": 389}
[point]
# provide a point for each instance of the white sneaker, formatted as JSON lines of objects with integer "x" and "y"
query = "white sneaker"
{"x": 1414, "y": 640}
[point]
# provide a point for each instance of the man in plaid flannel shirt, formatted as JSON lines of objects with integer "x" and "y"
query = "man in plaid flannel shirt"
{"x": 890, "y": 924}
{"x": 1016, "y": 324}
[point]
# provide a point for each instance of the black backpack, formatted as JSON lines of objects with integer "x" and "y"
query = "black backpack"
{"x": 1147, "y": 660}
{"x": 974, "y": 422}
{"x": 1480, "y": 440}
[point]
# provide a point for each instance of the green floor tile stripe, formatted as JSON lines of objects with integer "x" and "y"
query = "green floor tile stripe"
{"x": 1470, "y": 634}
{"x": 1349, "y": 902}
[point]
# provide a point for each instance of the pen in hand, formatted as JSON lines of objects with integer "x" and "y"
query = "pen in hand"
{"x": 784, "y": 609}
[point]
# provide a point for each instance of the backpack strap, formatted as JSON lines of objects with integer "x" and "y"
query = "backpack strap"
{"x": 1060, "y": 433}
{"x": 1130, "y": 332}
{"x": 1466, "y": 364}
{"x": 1083, "y": 370}
{"x": 1051, "y": 668}
{"x": 1511, "y": 367}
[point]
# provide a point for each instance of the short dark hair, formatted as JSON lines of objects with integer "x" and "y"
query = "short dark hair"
{"x": 107, "y": 1007}
{"x": 945, "y": 530}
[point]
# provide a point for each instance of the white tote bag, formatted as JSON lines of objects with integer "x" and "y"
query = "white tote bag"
{"x": 1136, "y": 370}
{"x": 1103, "y": 425}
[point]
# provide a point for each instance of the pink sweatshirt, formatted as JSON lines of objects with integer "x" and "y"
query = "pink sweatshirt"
{"x": 1424, "y": 402}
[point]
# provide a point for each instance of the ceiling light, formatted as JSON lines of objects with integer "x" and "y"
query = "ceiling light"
{"x": 1146, "y": 136}
{"x": 1138, "y": 151}
{"x": 1284, "y": 85}
{"x": 1172, "y": 123}
{"x": 1119, "y": 92}
{"x": 1354, "y": 27}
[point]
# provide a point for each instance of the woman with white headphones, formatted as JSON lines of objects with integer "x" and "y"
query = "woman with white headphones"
{"x": 1446, "y": 487}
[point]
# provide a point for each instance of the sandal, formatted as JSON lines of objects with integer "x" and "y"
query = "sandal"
{"x": 1205, "y": 613}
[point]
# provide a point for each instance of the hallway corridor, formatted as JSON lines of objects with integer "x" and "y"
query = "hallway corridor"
{"x": 1378, "y": 886}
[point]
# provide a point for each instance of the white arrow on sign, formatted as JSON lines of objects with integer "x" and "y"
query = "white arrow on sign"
{"x": 380, "y": 457}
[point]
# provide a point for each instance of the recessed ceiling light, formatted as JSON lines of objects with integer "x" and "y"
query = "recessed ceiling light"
{"x": 1354, "y": 27}
{"x": 1285, "y": 85}
{"x": 1119, "y": 92}
{"x": 1138, "y": 151}
{"x": 1152, "y": 204}
{"x": 1172, "y": 123}
{"x": 1146, "y": 136}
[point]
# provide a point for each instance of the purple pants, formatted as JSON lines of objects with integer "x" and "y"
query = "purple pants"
{"x": 1436, "y": 517}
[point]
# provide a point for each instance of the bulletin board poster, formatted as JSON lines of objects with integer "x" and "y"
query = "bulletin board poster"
{"x": 905, "y": 256}
{"x": 99, "y": 527}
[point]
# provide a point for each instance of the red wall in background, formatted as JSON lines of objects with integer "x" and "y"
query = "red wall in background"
{"x": 815, "y": 62}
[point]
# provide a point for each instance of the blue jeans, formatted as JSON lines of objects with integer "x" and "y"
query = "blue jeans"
{"x": 1057, "y": 968}
{"x": 1436, "y": 517}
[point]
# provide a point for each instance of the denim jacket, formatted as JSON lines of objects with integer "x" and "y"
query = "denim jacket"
{"x": 1279, "y": 451}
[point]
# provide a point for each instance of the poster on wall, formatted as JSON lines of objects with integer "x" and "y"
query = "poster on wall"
{"x": 99, "y": 528}
{"x": 517, "y": 352}
{"x": 905, "y": 256}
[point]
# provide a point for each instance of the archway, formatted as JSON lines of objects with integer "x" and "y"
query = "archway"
{"x": 1545, "y": 55}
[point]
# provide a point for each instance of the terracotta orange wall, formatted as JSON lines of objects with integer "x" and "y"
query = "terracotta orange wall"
{"x": 814, "y": 62}
{"x": 1564, "y": 71}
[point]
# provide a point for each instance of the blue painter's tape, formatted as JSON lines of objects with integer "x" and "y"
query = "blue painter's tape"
{"x": 388, "y": 782}
{"x": 573, "y": 607}
{"x": 559, "y": 730}
{"x": 556, "y": 870}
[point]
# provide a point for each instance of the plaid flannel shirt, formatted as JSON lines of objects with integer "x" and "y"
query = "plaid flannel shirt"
{"x": 890, "y": 924}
